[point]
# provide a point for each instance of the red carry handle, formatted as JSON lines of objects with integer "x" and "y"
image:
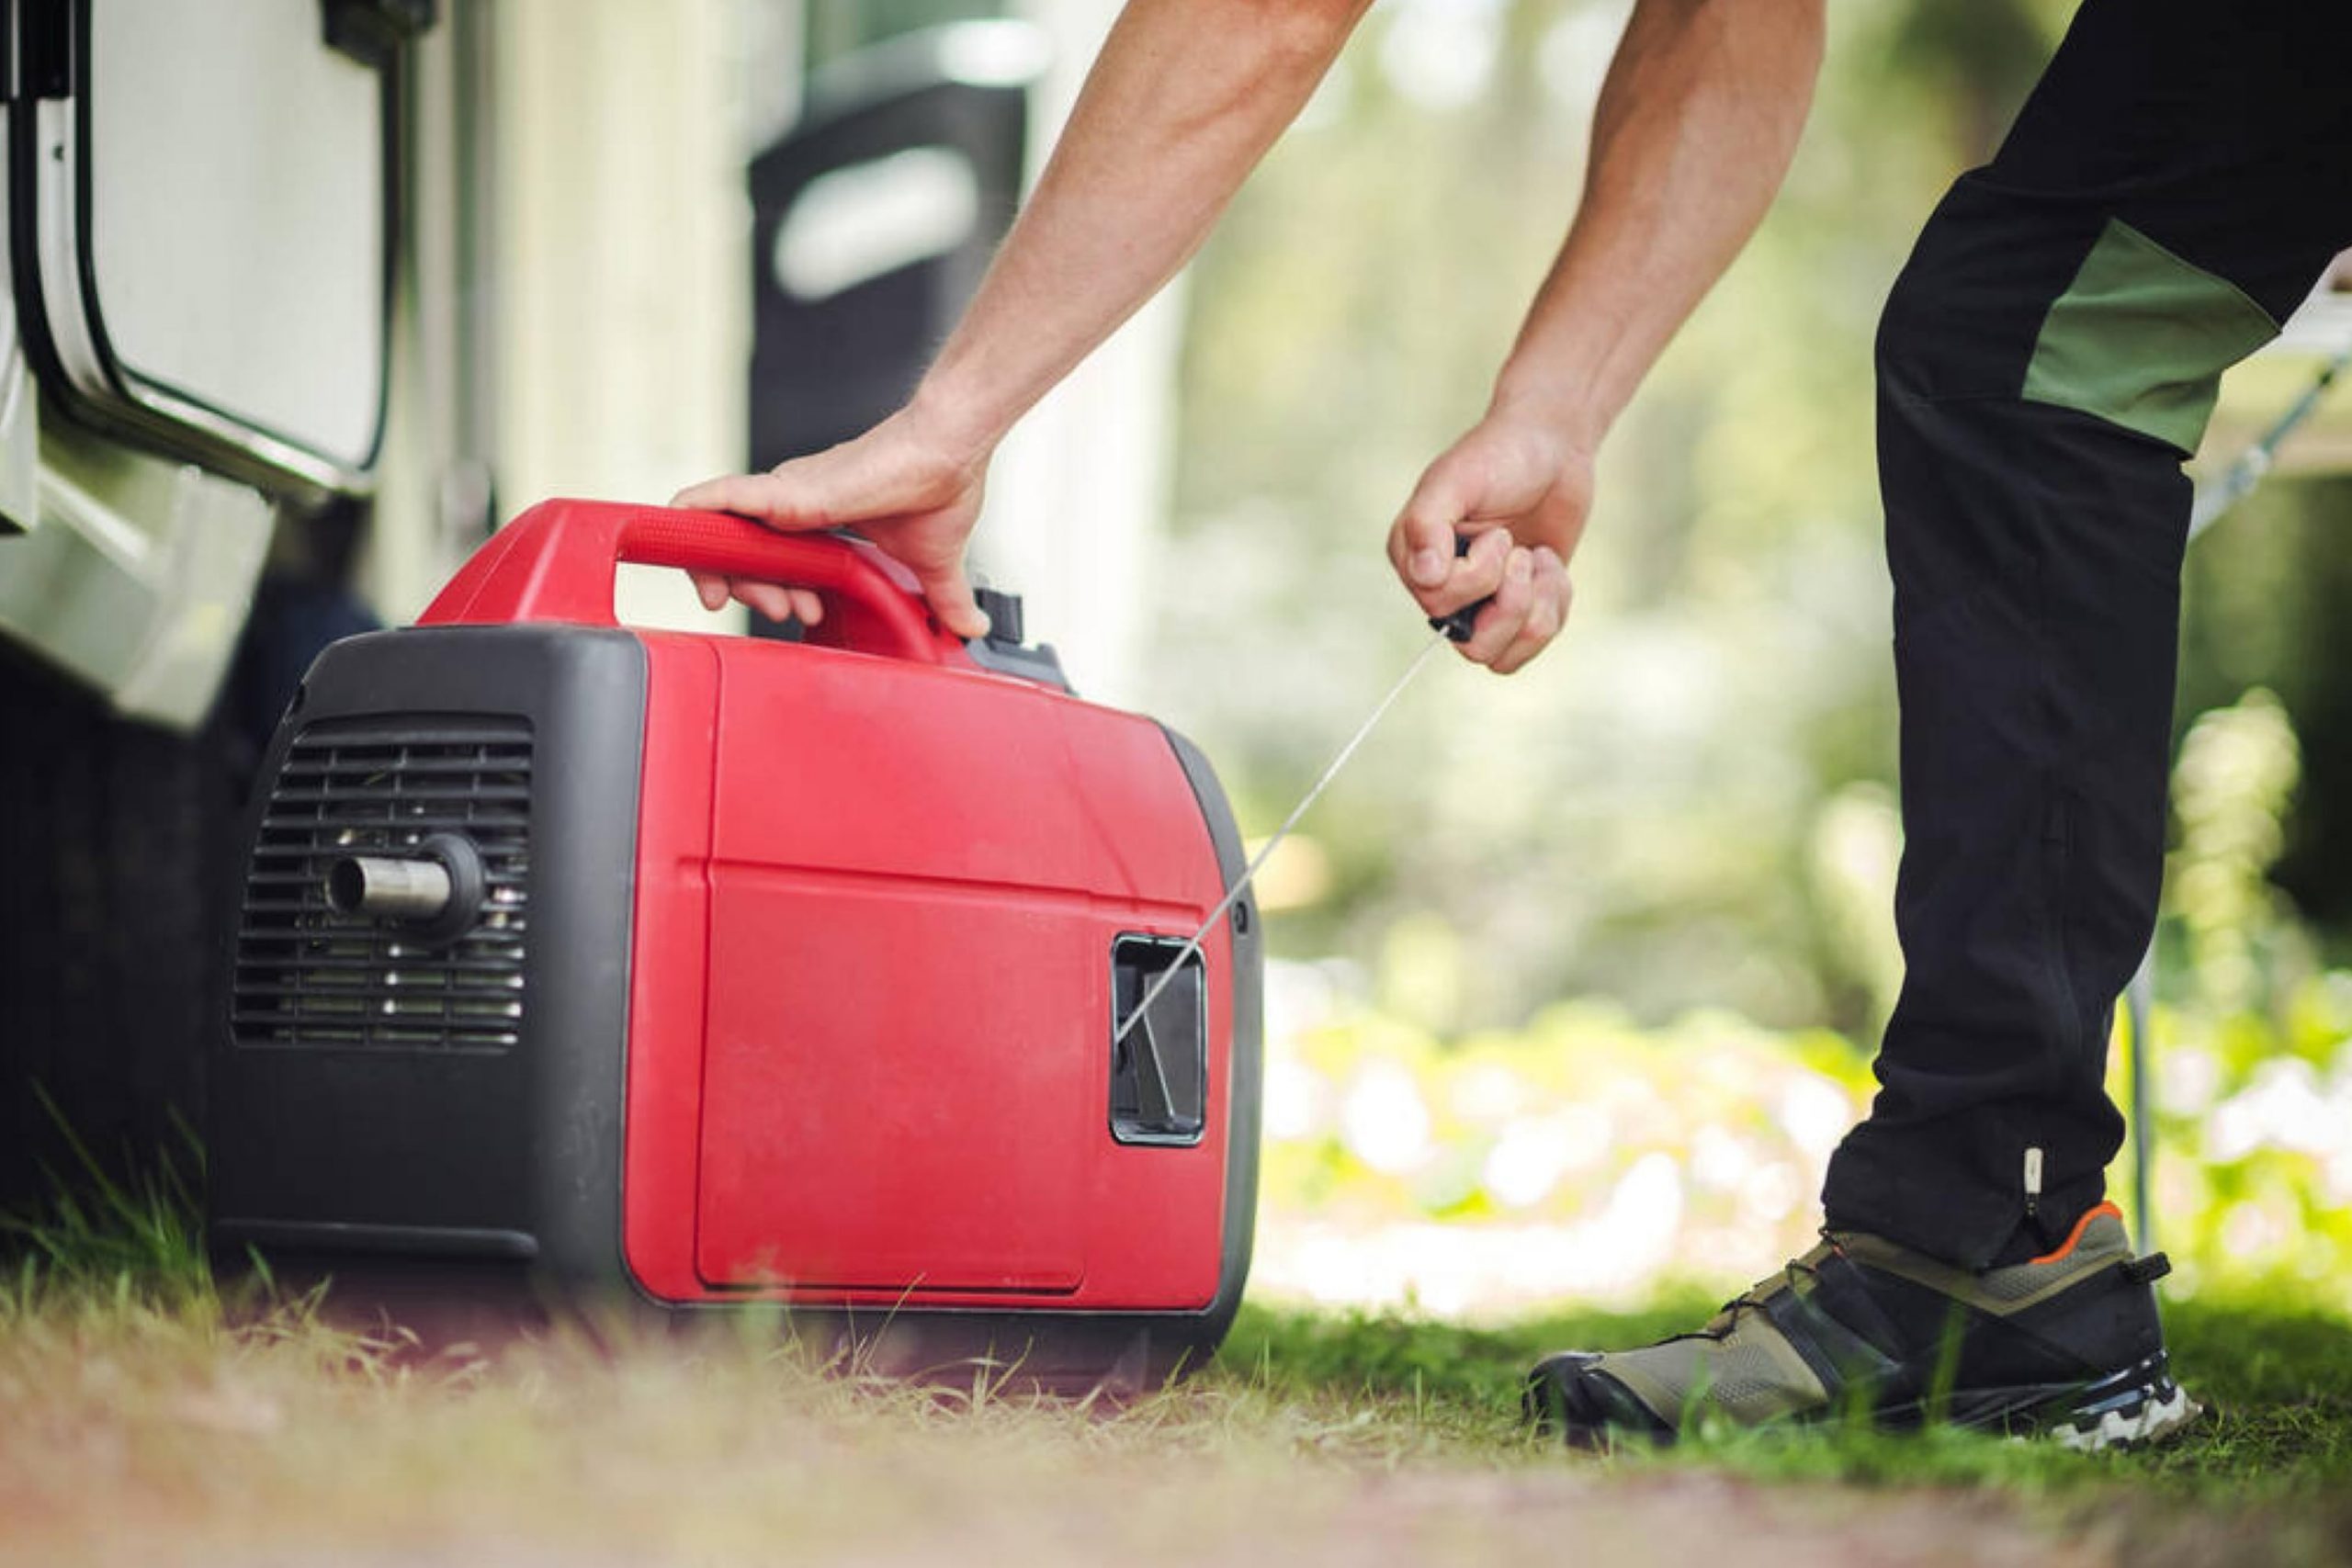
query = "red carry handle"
{"x": 556, "y": 563}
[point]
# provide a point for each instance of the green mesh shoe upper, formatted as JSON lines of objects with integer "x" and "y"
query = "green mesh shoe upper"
{"x": 1739, "y": 1363}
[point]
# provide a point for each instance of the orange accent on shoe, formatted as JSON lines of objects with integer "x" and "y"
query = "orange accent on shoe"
{"x": 2075, "y": 1236}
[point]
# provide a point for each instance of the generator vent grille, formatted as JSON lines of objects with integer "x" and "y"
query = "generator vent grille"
{"x": 307, "y": 975}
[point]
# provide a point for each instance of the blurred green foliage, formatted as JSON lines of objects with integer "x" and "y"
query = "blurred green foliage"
{"x": 1585, "y": 1154}
{"x": 2251, "y": 1055}
{"x": 1579, "y": 1156}
{"x": 2265, "y": 599}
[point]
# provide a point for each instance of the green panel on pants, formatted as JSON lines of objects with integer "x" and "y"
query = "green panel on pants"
{"x": 2141, "y": 338}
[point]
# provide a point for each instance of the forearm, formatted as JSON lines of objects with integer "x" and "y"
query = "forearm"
{"x": 1185, "y": 97}
{"x": 1696, "y": 124}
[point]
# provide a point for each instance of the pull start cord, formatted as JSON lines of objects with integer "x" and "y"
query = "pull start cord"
{"x": 1450, "y": 629}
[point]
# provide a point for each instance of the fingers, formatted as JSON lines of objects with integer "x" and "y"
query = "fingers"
{"x": 949, "y": 593}
{"x": 770, "y": 599}
{"x": 1421, "y": 542}
{"x": 1476, "y": 575}
{"x": 766, "y": 497}
{"x": 771, "y": 501}
{"x": 1550, "y": 594}
{"x": 882, "y": 473}
{"x": 1479, "y": 580}
{"x": 777, "y": 601}
{"x": 1460, "y": 580}
{"x": 915, "y": 503}
{"x": 1500, "y": 624}
{"x": 1420, "y": 546}
{"x": 1529, "y": 609}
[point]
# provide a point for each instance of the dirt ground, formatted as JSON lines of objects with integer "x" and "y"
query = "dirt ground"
{"x": 150, "y": 1436}
{"x": 230, "y": 1478}
{"x": 1363, "y": 1520}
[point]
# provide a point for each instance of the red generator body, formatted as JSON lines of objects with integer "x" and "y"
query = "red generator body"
{"x": 730, "y": 970}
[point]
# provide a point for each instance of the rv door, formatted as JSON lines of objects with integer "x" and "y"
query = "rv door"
{"x": 200, "y": 225}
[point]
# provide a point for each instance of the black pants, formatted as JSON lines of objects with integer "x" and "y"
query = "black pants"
{"x": 2180, "y": 179}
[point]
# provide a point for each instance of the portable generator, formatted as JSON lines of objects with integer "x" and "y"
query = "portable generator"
{"x": 723, "y": 970}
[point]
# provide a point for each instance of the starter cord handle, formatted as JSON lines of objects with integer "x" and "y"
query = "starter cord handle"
{"x": 557, "y": 561}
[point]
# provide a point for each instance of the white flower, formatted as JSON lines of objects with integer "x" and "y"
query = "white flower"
{"x": 1525, "y": 1164}
{"x": 1383, "y": 1122}
{"x": 1297, "y": 1101}
{"x": 1815, "y": 1113}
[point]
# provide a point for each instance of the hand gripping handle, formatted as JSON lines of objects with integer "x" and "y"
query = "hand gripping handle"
{"x": 1462, "y": 625}
{"x": 556, "y": 563}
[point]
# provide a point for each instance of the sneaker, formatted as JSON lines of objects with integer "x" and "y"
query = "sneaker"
{"x": 2067, "y": 1346}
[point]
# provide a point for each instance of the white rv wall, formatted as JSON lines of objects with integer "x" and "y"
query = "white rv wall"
{"x": 622, "y": 308}
{"x": 1079, "y": 498}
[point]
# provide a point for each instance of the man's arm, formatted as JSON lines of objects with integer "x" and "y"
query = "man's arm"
{"x": 1697, "y": 121}
{"x": 1185, "y": 97}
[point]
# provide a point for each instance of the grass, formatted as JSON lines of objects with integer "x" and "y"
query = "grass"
{"x": 2276, "y": 1381}
{"x": 147, "y": 1420}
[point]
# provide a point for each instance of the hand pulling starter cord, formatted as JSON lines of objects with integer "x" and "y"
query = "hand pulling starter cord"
{"x": 1455, "y": 628}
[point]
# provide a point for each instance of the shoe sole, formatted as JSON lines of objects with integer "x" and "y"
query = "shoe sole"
{"x": 2130, "y": 1409}
{"x": 2134, "y": 1408}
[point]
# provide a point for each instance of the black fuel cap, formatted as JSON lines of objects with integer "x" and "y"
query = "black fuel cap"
{"x": 1003, "y": 611}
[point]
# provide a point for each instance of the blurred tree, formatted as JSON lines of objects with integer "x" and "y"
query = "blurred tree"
{"x": 2265, "y": 598}
{"x": 1982, "y": 60}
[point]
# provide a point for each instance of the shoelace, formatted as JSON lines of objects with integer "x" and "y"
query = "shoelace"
{"x": 1727, "y": 1319}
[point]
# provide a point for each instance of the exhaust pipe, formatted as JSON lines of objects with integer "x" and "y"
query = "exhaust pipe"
{"x": 433, "y": 895}
{"x": 412, "y": 890}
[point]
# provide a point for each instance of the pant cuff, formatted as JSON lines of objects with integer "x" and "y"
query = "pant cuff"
{"x": 1898, "y": 1185}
